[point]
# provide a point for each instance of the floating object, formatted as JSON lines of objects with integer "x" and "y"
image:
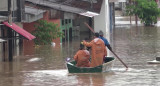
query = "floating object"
{"x": 53, "y": 43}
{"x": 157, "y": 61}
{"x": 158, "y": 58}
{"x": 33, "y": 59}
{"x": 68, "y": 59}
{"x": 105, "y": 67}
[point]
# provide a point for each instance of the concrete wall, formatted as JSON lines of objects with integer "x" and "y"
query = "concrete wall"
{"x": 101, "y": 22}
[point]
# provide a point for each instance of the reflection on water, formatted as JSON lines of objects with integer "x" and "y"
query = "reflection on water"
{"x": 45, "y": 77}
{"x": 62, "y": 78}
{"x": 45, "y": 66}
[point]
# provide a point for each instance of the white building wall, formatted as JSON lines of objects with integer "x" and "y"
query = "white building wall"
{"x": 101, "y": 22}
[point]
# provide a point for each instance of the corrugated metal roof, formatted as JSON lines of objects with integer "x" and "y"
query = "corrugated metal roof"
{"x": 89, "y": 14}
{"x": 20, "y": 30}
{"x": 89, "y": 5}
{"x": 33, "y": 11}
{"x": 73, "y": 6}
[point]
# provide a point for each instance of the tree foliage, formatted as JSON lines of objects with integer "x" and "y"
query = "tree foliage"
{"x": 146, "y": 10}
{"x": 45, "y": 32}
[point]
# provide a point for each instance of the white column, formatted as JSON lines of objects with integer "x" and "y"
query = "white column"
{"x": 101, "y": 22}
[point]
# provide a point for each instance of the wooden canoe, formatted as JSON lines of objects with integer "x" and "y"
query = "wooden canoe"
{"x": 105, "y": 67}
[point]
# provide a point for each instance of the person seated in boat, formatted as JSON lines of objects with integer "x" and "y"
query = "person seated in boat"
{"x": 98, "y": 50}
{"x": 82, "y": 57}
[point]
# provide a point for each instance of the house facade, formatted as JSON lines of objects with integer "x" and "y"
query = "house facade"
{"x": 71, "y": 18}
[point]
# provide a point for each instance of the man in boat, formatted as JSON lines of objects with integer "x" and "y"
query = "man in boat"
{"x": 98, "y": 50}
{"x": 82, "y": 57}
{"x": 105, "y": 40}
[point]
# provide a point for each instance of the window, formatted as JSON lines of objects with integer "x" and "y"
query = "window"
{"x": 66, "y": 21}
{"x": 69, "y": 20}
{"x": 62, "y": 22}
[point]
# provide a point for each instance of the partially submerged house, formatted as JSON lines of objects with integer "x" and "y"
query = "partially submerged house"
{"x": 71, "y": 13}
{"x": 11, "y": 12}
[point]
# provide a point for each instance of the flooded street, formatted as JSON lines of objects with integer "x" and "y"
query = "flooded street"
{"x": 45, "y": 66}
{"x": 136, "y": 46}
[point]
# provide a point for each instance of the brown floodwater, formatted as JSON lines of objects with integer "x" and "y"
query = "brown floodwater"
{"x": 45, "y": 66}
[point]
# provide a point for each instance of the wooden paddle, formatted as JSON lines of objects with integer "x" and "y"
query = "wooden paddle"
{"x": 110, "y": 50}
{"x": 119, "y": 59}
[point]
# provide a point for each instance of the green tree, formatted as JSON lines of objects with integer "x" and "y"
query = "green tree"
{"x": 45, "y": 32}
{"x": 146, "y": 10}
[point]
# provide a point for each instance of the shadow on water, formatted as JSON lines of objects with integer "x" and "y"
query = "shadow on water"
{"x": 45, "y": 65}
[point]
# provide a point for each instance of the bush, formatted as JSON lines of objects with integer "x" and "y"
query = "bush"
{"x": 45, "y": 32}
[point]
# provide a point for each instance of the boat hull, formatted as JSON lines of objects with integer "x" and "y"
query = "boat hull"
{"x": 72, "y": 68}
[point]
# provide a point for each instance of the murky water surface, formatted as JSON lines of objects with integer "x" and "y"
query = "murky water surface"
{"x": 46, "y": 65}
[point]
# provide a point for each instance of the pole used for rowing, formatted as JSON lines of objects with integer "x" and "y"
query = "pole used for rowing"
{"x": 110, "y": 50}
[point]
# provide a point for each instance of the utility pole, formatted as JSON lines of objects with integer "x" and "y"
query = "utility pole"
{"x": 136, "y": 16}
{"x": 10, "y": 11}
{"x": 130, "y": 16}
{"x": 9, "y": 32}
{"x": 3, "y": 44}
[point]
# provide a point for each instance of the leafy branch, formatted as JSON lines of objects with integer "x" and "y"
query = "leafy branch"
{"x": 146, "y": 10}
